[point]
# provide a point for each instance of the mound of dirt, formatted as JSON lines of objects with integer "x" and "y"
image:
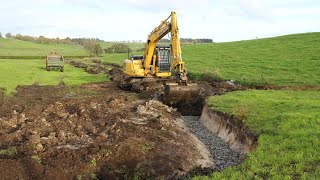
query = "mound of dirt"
{"x": 96, "y": 131}
{"x": 77, "y": 64}
{"x": 117, "y": 75}
{"x": 92, "y": 65}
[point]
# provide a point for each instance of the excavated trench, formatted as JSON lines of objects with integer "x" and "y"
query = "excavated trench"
{"x": 225, "y": 136}
{"x": 227, "y": 127}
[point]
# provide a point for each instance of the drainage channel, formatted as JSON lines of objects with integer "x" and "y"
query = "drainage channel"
{"x": 220, "y": 150}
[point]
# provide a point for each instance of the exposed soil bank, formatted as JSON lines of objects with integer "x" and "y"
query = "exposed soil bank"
{"x": 220, "y": 150}
{"x": 226, "y": 137}
{"x": 230, "y": 129}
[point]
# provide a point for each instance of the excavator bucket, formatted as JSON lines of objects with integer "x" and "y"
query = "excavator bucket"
{"x": 174, "y": 93}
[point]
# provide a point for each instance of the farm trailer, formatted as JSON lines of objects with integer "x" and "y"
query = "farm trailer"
{"x": 55, "y": 61}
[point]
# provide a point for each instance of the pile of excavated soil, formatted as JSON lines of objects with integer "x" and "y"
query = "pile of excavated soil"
{"x": 92, "y": 65}
{"x": 96, "y": 131}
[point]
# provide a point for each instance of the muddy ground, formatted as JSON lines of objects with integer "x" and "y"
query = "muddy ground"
{"x": 98, "y": 131}
{"x": 95, "y": 131}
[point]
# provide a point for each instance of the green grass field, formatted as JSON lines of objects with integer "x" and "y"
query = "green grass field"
{"x": 288, "y": 123}
{"x": 14, "y": 72}
{"x": 286, "y": 60}
{"x": 13, "y": 47}
{"x": 114, "y": 58}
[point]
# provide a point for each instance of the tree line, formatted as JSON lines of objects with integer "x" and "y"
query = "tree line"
{"x": 43, "y": 39}
{"x": 189, "y": 40}
{"x": 92, "y": 44}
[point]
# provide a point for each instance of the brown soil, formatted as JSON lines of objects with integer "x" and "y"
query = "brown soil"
{"x": 96, "y": 131}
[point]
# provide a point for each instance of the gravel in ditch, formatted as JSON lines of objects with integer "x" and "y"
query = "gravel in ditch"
{"x": 222, "y": 154}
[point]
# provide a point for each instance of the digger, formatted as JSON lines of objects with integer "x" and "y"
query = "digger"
{"x": 161, "y": 67}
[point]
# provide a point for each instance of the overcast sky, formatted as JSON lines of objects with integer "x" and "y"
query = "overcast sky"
{"x": 227, "y": 20}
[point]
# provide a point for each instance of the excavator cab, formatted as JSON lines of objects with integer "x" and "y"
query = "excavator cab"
{"x": 161, "y": 61}
{"x": 163, "y": 58}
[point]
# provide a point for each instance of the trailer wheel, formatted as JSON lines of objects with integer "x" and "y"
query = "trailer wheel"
{"x": 61, "y": 69}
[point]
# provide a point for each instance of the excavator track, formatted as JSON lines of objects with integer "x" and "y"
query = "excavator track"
{"x": 171, "y": 92}
{"x": 142, "y": 84}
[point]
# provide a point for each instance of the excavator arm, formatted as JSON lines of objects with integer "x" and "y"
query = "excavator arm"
{"x": 178, "y": 64}
{"x": 154, "y": 37}
{"x": 167, "y": 26}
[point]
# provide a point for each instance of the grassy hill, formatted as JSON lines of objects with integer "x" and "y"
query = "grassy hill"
{"x": 14, "y": 47}
{"x": 285, "y": 60}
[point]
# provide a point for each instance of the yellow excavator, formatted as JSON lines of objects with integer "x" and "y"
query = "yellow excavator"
{"x": 162, "y": 66}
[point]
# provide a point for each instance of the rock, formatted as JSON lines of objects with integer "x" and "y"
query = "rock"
{"x": 222, "y": 154}
{"x": 153, "y": 108}
{"x": 52, "y": 135}
{"x": 39, "y": 147}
